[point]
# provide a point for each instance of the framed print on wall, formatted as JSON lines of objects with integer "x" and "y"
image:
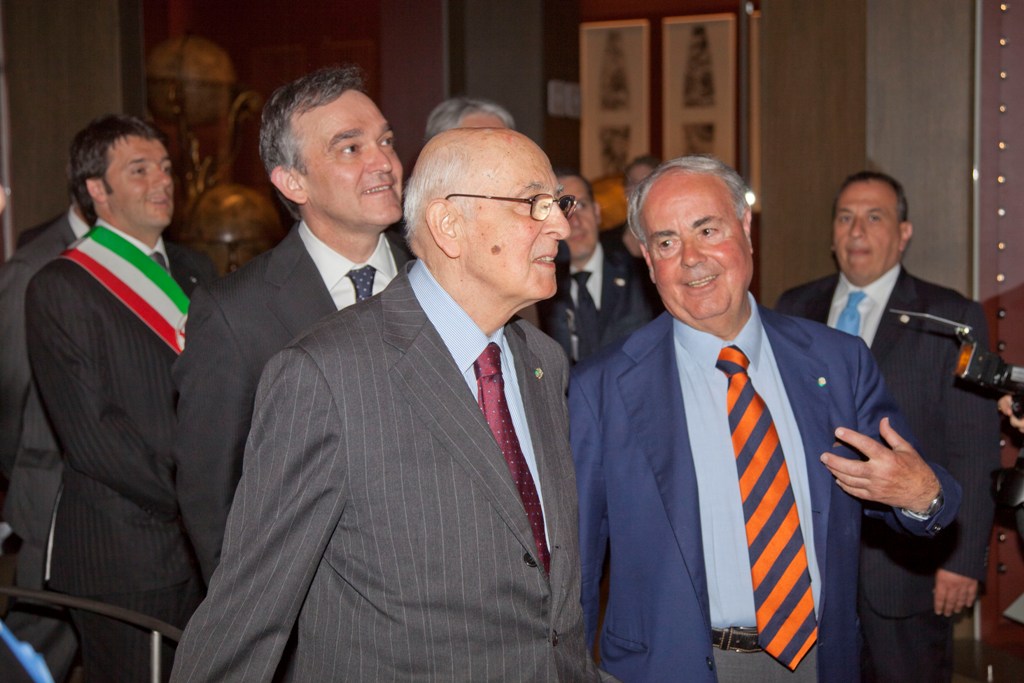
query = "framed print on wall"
{"x": 699, "y": 86}
{"x": 614, "y": 95}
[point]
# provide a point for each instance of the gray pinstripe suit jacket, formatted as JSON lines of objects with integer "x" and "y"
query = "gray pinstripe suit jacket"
{"x": 376, "y": 524}
{"x": 234, "y": 326}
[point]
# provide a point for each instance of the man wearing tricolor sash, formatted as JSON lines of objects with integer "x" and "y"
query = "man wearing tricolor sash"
{"x": 104, "y": 324}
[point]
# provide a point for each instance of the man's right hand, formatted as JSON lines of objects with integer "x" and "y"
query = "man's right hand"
{"x": 1006, "y": 408}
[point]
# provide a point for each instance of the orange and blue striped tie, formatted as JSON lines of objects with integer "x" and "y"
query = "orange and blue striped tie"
{"x": 778, "y": 561}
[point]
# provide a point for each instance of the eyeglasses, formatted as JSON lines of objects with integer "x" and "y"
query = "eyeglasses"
{"x": 540, "y": 204}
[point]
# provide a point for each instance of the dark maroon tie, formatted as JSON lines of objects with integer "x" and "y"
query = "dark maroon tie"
{"x": 491, "y": 396}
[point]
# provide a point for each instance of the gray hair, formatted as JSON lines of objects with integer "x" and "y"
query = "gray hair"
{"x": 438, "y": 171}
{"x": 450, "y": 113}
{"x": 692, "y": 165}
{"x": 278, "y": 144}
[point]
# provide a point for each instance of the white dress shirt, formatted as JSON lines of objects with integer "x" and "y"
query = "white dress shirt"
{"x": 871, "y": 307}
{"x": 333, "y": 267}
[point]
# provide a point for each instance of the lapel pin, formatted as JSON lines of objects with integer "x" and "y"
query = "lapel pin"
{"x": 822, "y": 381}
{"x": 904, "y": 318}
{"x": 538, "y": 373}
{"x": 619, "y": 282}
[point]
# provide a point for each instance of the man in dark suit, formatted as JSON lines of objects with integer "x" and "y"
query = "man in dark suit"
{"x": 617, "y": 296}
{"x": 378, "y": 517}
{"x": 909, "y": 590}
{"x": 717, "y": 453}
{"x": 68, "y": 220}
{"x": 330, "y": 154}
{"x": 29, "y": 455}
{"x": 103, "y": 327}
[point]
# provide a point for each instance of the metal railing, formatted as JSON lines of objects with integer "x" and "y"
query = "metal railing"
{"x": 157, "y": 629}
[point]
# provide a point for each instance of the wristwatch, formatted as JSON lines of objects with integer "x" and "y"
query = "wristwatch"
{"x": 932, "y": 510}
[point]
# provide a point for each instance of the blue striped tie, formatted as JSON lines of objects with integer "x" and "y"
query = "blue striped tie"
{"x": 786, "y": 625}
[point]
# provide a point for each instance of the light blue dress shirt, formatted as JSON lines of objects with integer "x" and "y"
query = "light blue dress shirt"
{"x": 704, "y": 388}
{"x": 465, "y": 342}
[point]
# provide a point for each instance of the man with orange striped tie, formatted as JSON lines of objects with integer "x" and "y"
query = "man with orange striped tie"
{"x": 725, "y": 455}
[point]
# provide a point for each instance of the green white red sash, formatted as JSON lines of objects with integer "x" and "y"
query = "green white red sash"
{"x": 138, "y": 282}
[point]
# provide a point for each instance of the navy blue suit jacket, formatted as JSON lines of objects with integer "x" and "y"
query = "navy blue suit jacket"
{"x": 638, "y": 491}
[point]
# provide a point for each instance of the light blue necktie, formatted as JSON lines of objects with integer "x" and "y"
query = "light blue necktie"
{"x": 849, "y": 319}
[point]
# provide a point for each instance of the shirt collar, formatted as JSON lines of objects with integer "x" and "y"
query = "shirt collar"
{"x": 463, "y": 338}
{"x": 705, "y": 347}
{"x": 78, "y": 226}
{"x": 878, "y": 291}
{"x": 332, "y": 266}
{"x": 159, "y": 248}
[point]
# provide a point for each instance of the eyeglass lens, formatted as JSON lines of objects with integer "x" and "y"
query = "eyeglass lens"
{"x": 540, "y": 209}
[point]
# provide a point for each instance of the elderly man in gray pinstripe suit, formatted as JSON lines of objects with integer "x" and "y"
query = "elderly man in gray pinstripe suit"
{"x": 381, "y": 530}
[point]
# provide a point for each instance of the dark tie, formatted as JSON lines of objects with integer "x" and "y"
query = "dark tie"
{"x": 778, "y": 561}
{"x": 849, "y": 319}
{"x": 491, "y": 397}
{"x": 362, "y": 279}
{"x": 160, "y": 260}
{"x": 586, "y": 317}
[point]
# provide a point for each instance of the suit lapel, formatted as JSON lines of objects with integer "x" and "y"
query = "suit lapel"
{"x": 438, "y": 395}
{"x": 613, "y": 293}
{"x": 301, "y": 297}
{"x": 543, "y": 398}
{"x": 819, "y": 306}
{"x": 806, "y": 379}
{"x": 660, "y": 429}
{"x": 181, "y": 269}
{"x": 904, "y": 297}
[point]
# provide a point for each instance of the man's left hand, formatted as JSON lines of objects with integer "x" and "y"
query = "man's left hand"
{"x": 892, "y": 475}
{"x": 953, "y": 592}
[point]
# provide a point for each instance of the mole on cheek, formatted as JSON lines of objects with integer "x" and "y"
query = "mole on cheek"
{"x": 495, "y": 250}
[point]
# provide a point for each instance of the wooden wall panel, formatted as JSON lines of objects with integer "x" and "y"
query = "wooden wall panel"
{"x": 920, "y": 129}
{"x": 813, "y": 113}
{"x": 67, "y": 62}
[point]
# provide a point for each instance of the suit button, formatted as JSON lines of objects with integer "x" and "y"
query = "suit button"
{"x": 710, "y": 663}
{"x": 530, "y": 562}
{"x": 554, "y": 639}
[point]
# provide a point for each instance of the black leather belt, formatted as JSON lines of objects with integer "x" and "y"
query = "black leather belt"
{"x": 738, "y": 638}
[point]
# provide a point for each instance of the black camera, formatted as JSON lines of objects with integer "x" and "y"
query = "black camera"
{"x": 988, "y": 370}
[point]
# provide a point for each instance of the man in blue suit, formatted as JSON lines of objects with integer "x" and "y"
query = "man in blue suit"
{"x": 682, "y": 517}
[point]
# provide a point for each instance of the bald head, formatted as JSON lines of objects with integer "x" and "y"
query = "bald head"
{"x": 471, "y": 212}
{"x": 451, "y": 158}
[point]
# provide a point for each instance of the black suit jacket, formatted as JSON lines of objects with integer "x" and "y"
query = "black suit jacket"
{"x": 31, "y": 234}
{"x": 957, "y": 427}
{"x": 234, "y": 327}
{"x": 628, "y": 301}
{"x": 105, "y": 381}
{"x": 29, "y": 455}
